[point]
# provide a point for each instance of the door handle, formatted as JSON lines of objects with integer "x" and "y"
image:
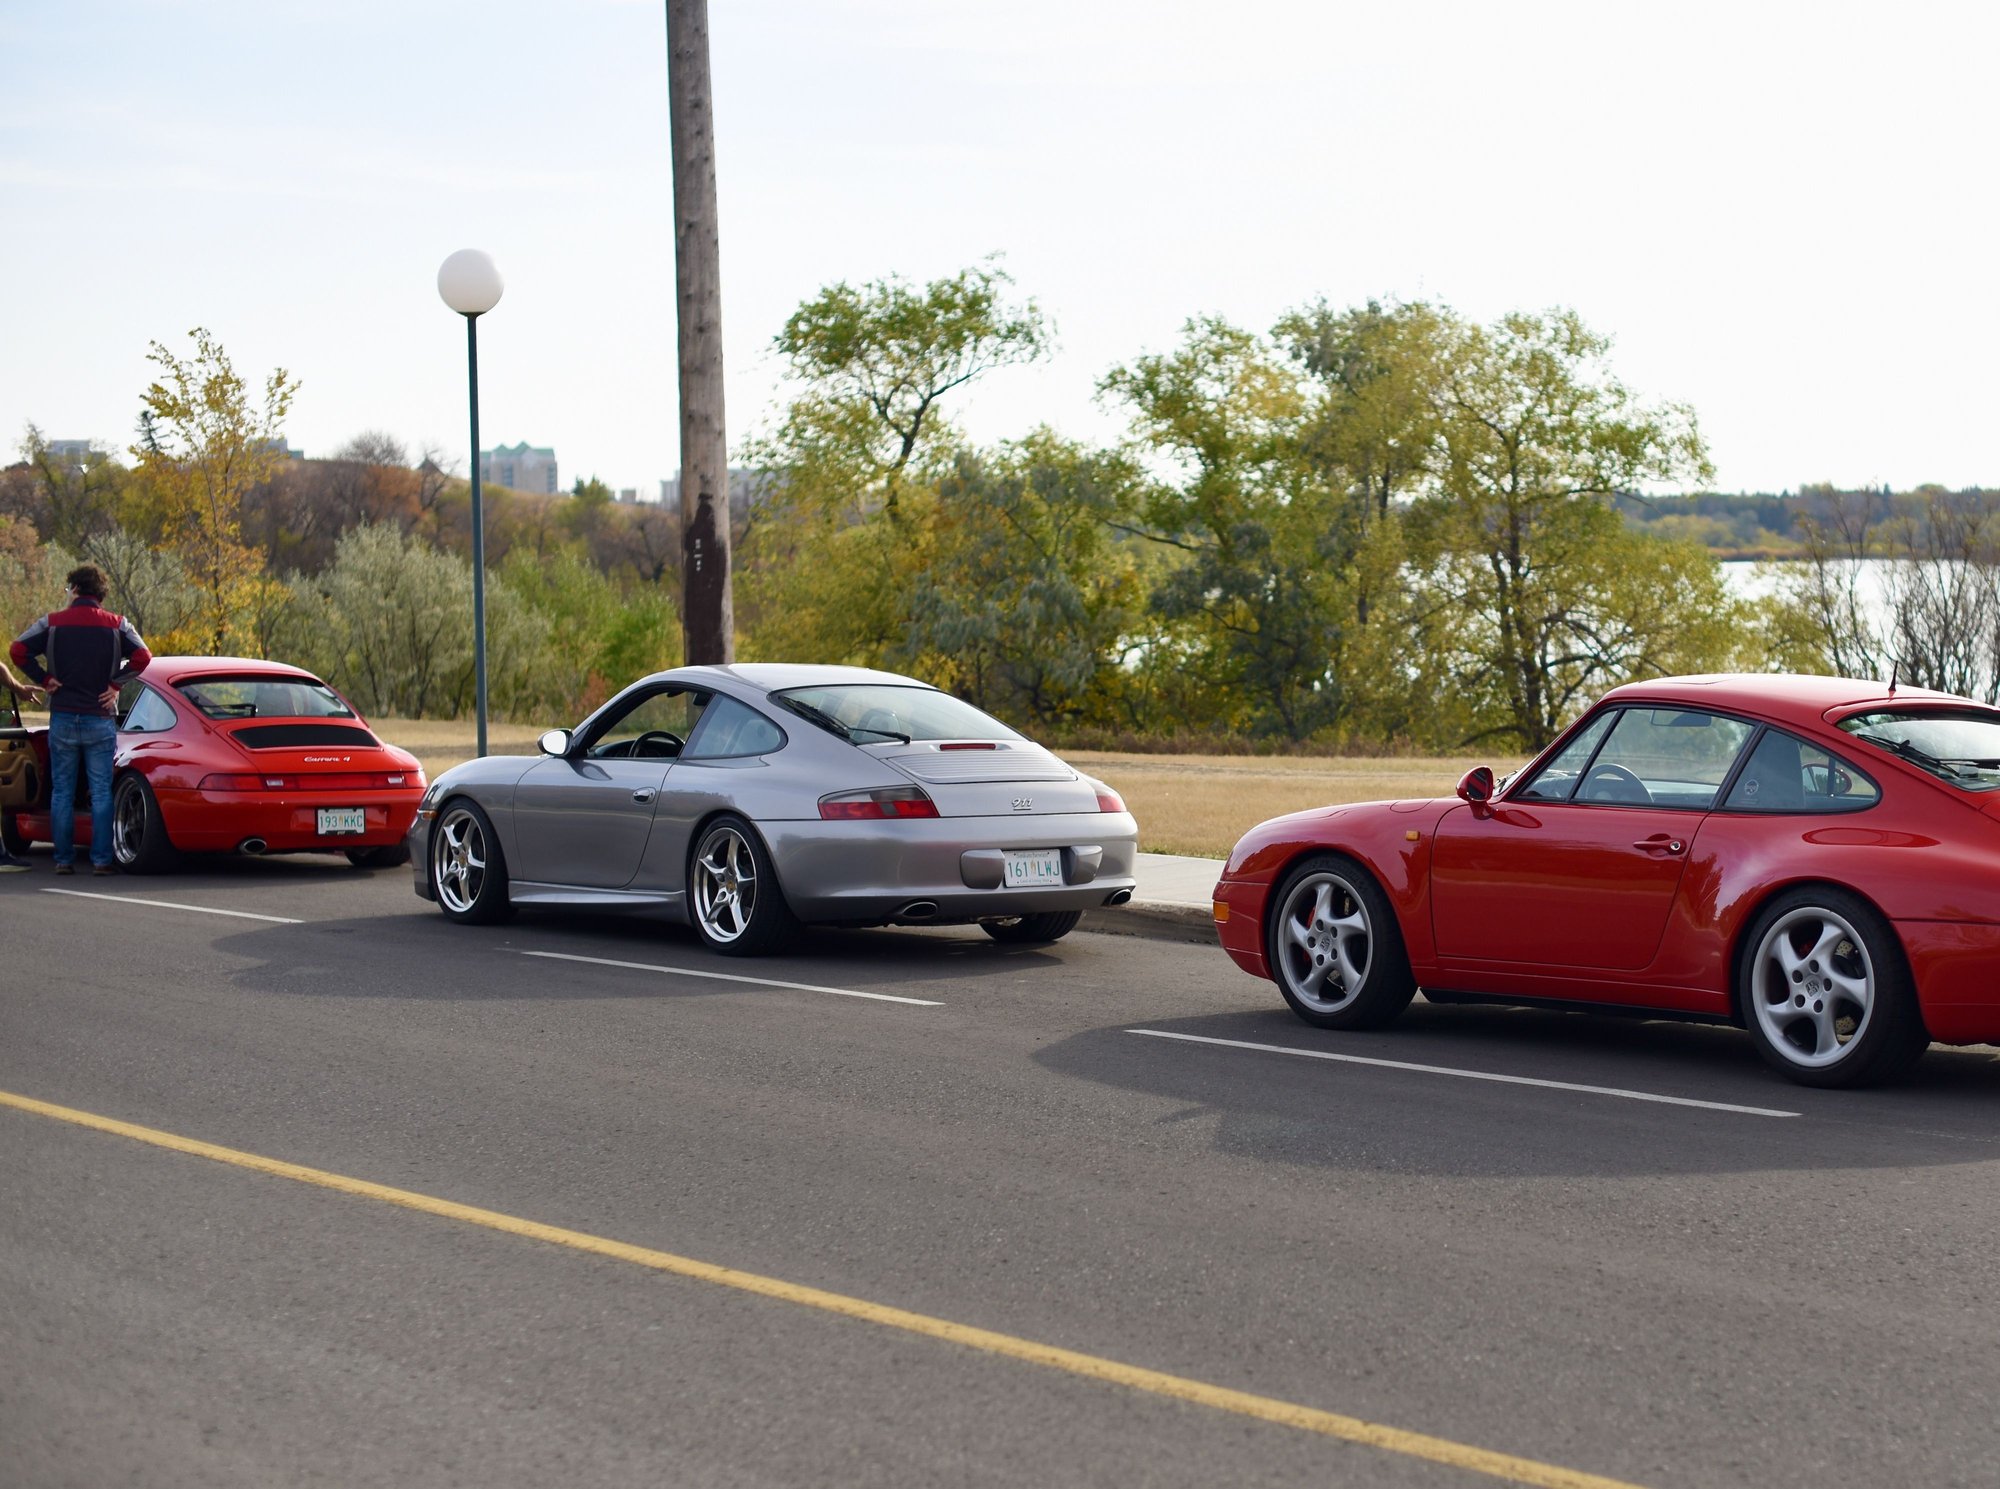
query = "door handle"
{"x": 1659, "y": 842}
{"x": 643, "y": 794}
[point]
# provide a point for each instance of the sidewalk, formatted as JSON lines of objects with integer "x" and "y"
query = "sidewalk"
{"x": 1172, "y": 902}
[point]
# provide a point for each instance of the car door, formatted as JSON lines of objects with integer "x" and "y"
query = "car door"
{"x": 719, "y": 770}
{"x": 1578, "y": 867}
{"x": 582, "y": 819}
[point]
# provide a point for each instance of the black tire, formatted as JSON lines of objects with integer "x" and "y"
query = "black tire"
{"x": 139, "y": 841}
{"x": 1824, "y": 989}
{"x": 1330, "y": 919}
{"x": 467, "y": 870}
{"x": 734, "y": 900}
{"x": 388, "y": 856}
{"x": 11, "y": 837}
{"x": 1033, "y": 930}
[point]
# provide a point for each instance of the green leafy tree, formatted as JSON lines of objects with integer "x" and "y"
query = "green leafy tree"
{"x": 1533, "y": 585}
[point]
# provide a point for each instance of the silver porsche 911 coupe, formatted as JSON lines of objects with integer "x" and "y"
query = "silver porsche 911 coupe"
{"x": 746, "y": 800}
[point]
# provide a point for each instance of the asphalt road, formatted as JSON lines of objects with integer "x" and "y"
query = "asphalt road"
{"x": 1665, "y": 1293}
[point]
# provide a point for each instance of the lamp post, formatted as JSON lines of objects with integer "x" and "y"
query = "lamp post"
{"x": 470, "y": 284}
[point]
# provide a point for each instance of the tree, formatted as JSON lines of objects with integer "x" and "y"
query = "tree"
{"x": 202, "y": 447}
{"x": 77, "y": 497}
{"x": 1533, "y": 582}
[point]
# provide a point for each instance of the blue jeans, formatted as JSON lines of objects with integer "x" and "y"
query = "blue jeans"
{"x": 73, "y": 738}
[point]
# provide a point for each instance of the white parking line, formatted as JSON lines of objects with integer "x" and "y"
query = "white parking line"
{"x": 804, "y": 987}
{"x": 1471, "y": 1075}
{"x": 126, "y": 899}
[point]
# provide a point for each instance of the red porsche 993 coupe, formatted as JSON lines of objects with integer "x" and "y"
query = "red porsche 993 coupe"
{"x": 222, "y": 755}
{"x": 1815, "y": 859}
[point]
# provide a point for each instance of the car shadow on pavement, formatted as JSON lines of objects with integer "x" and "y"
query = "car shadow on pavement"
{"x": 430, "y": 958}
{"x": 1345, "y": 1116}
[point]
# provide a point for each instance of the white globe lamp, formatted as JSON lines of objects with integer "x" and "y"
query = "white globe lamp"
{"x": 469, "y": 282}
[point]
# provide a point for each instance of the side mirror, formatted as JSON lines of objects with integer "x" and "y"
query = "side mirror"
{"x": 555, "y": 742}
{"x": 1476, "y": 785}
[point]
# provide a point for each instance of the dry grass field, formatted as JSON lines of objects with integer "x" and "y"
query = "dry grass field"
{"x": 1198, "y": 804}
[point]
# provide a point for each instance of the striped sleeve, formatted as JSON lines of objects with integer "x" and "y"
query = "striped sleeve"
{"x": 27, "y": 650}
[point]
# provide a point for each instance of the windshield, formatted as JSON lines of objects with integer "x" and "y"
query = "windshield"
{"x": 870, "y": 713}
{"x": 264, "y": 698}
{"x": 1960, "y": 746}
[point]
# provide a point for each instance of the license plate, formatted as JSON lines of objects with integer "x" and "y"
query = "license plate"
{"x": 1043, "y": 867}
{"x": 335, "y": 820}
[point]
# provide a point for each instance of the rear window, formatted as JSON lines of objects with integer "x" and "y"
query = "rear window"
{"x": 264, "y": 698}
{"x": 870, "y": 713}
{"x": 1957, "y": 745}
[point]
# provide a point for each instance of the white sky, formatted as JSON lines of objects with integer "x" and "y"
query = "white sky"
{"x": 1785, "y": 213}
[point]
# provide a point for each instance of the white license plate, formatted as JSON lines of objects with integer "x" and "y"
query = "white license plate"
{"x": 1043, "y": 867}
{"x": 335, "y": 820}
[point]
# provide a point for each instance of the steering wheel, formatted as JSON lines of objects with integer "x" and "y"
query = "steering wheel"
{"x": 1632, "y": 789}
{"x": 666, "y": 736}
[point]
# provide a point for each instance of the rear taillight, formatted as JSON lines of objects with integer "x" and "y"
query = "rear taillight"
{"x": 332, "y": 780}
{"x": 1107, "y": 799}
{"x": 237, "y": 783}
{"x": 866, "y": 806}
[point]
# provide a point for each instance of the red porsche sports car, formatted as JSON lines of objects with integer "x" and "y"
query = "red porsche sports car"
{"x": 1815, "y": 859}
{"x": 219, "y": 755}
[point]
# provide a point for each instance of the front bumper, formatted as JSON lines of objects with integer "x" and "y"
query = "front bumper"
{"x": 1239, "y": 922}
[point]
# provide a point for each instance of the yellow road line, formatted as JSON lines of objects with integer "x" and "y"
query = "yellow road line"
{"x": 1092, "y": 1367}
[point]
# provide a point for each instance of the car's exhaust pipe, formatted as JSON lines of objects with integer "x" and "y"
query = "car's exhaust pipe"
{"x": 1118, "y": 897}
{"x": 918, "y": 910}
{"x": 254, "y": 847}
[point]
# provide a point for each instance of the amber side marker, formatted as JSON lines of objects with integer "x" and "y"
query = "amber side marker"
{"x": 1221, "y": 912}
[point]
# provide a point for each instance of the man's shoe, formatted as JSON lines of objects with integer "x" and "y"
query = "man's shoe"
{"x": 65, "y": 868}
{"x": 103, "y": 870}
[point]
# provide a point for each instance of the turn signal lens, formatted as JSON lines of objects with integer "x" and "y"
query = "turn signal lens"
{"x": 231, "y": 783}
{"x": 862, "y": 806}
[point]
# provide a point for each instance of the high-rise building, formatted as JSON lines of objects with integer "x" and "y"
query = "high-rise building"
{"x": 521, "y": 467}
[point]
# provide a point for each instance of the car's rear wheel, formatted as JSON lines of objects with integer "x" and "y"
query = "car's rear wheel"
{"x": 733, "y": 894}
{"x": 1032, "y": 930}
{"x": 139, "y": 840}
{"x": 468, "y": 873}
{"x": 1335, "y": 948}
{"x": 388, "y": 856}
{"x": 1825, "y": 992}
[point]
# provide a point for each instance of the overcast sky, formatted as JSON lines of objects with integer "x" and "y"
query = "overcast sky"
{"x": 1784, "y": 213}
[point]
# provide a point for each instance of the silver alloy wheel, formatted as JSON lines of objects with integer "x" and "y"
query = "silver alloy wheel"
{"x": 458, "y": 861}
{"x": 1812, "y": 987}
{"x": 725, "y": 884}
{"x": 128, "y": 824}
{"x": 1324, "y": 944}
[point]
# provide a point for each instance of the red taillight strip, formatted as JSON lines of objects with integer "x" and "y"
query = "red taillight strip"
{"x": 876, "y": 805}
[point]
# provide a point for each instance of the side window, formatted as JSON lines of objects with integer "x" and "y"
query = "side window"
{"x": 730, "y": 728}
{"x": 1558, "y": 778}
{"x": 1785, "y": 774}
{"x": 127, "y": 696}
{"x": 653, "y": 726}
{"x": 1665, "y": 757}
{"x": 149, "y": 713}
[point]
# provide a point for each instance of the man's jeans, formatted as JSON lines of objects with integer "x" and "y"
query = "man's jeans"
{"x": 74, "y": 738}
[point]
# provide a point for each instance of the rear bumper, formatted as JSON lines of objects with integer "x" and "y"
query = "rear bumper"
{"x": 1239, "y": 924}
{"x": 1957, "y": 970}
{"x": 871, "y": 872}
{"x": 220, "y": 822}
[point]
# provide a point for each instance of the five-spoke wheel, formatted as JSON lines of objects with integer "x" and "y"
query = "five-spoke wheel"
{"x": 1825, "y": 992}
{"x": 468, "y": 875}
{"x": 1335, "y": 947}
{"x": 733, "y": 895}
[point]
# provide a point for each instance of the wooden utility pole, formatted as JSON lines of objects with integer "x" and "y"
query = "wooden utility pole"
{"x": 708, "y": 616}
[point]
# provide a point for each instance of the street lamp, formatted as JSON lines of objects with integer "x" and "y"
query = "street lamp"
{"x": 469, "y": 283}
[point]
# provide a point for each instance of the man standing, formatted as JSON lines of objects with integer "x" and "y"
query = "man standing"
{"x": 9, "y": 864}
{"x": 81, "y": 655}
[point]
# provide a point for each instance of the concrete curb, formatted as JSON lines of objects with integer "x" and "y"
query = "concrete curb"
{"x": 1155, "y": 920}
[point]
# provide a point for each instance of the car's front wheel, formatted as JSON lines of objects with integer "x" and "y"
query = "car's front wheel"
{"x": 11, "y": 836}
{"x": 1032, "y": 930}
{"x": 1335, "y": 948}
{"x": 1825, "y": 991}
{"x": 139, "y": 839}
{"x": 733, "y": 894}
{"x": 468, "y": 874}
